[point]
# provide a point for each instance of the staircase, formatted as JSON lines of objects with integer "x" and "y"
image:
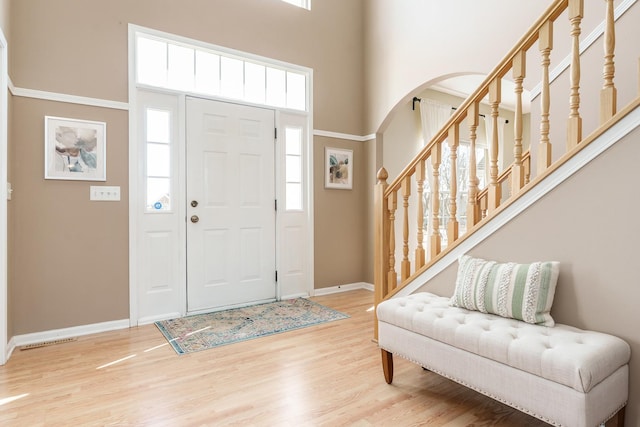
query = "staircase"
{"x": 539, "y": 162}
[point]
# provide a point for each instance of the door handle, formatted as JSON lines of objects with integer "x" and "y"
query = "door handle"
{"x": 194, "y": 218}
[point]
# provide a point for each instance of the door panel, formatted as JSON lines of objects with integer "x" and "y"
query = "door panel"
{"x": 231, "y": 176}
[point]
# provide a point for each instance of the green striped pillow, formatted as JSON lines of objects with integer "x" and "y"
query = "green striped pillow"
{"x": 518, "y": 291}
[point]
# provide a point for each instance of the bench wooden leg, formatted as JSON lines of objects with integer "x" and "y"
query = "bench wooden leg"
{"x": 387, "y": 366}
{"x": 617, "y": 420}
{"x": 620, "y": 417}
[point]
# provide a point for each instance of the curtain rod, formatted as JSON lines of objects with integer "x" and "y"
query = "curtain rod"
{"x": 416, "y": 99}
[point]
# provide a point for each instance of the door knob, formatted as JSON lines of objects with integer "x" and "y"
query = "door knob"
{"x": 194, "y": 203}
{"x": 194, "y": 218}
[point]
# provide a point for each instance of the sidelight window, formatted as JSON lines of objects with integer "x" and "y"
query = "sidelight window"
{"x": 293, "y": 168}
{"x": 158, "y": 170}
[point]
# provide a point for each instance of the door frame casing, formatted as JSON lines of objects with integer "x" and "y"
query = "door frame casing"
{"x": 4, "y": 151}
{"x": 136, "y": 191}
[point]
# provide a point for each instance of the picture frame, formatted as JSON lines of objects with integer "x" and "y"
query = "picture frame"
{"x": 338, "y": 168}
{"x": 75, "y": 149}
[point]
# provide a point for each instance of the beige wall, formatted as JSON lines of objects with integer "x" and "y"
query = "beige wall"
{"x": 83, "y": 45}
{"x": 589, "y": 224}
{"x": 4, "y": 17}
{"x": 340, "y": 228}
{"x": 69, "y": 256}
{"x": 412, "y": 44}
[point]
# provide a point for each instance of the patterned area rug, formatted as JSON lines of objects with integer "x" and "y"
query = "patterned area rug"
{"x": 203, "y": 331}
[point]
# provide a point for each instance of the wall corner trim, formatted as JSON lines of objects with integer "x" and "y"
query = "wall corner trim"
{"x": 337, "y": 135}
{"x": 69, "y": 99}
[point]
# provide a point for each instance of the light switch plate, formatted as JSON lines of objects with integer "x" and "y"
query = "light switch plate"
{"x": 104, "y": 193}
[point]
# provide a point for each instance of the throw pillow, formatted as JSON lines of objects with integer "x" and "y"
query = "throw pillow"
{"x": 518, "y": 291}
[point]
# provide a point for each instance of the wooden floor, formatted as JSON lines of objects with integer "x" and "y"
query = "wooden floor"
{"x": 327, "y": 375}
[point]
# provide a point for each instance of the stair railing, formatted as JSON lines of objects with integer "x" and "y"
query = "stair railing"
{"x": 393, "y": 228}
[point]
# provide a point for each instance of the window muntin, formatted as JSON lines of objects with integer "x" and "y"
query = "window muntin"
{"x": 172, "y": 65}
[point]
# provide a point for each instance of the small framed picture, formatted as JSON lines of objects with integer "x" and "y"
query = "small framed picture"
{"x": 338, "y": 168}
{"x": 74, "y": 149}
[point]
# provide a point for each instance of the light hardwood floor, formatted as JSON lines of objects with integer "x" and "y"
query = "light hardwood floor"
{"x": 325, "y": 375}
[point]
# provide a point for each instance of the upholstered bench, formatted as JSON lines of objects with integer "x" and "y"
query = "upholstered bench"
{"x": 562, "y": 375}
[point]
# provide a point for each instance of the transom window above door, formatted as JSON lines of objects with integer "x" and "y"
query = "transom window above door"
{"x": 171, "y": 65}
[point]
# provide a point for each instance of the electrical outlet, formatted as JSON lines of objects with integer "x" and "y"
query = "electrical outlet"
{"x": 104, "y": 193}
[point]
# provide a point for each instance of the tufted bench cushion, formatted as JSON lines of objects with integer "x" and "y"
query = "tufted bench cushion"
{"x": 563, "y": 354}
{"x": 562, "y": 375}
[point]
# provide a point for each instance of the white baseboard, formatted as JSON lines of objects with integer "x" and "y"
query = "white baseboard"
{"x": 343, "y": 288}
{"x": 57, "y": 334}
{"x": 11, "y": 345}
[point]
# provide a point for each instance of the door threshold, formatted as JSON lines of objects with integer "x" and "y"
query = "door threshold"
{"x": 229, "y": 307}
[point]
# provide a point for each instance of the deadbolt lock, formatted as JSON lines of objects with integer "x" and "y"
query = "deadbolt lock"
{"x": 194, "y": 203}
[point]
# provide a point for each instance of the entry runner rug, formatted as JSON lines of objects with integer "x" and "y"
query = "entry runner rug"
{"x": 203, "y": 331}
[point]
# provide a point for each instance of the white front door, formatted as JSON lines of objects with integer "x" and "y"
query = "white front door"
{"x": 230, "y": 189}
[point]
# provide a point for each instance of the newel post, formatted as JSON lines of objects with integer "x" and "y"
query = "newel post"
{"x": 381, "y": 244}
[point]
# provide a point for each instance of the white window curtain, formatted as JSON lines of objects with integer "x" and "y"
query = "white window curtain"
{"x": 433, "y": 116}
